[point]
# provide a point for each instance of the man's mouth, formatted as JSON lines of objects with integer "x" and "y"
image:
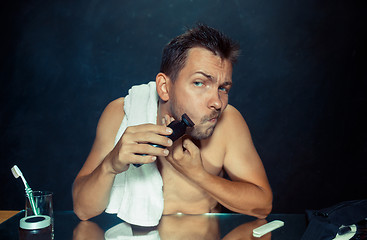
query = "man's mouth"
{"x": 213, "y": 118}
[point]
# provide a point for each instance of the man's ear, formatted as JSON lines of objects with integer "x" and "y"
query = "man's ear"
{"x": 163, "y": 84}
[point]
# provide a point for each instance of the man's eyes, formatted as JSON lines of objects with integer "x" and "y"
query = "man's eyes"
{"x": 221, "y": 89}
{"x": 224, "y": 89}
{"x": 198, "y": 84}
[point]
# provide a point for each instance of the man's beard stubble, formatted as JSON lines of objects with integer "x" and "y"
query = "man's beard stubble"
{"x": 198, "y": 132}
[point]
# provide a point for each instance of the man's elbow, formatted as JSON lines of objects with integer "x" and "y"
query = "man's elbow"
{"x": 85, "y": 215}
{"x": 260, "y": 209}
{"x": 263, "y": 207}
{"x": 81, "y": 214}
{"x": 263, "y": 213}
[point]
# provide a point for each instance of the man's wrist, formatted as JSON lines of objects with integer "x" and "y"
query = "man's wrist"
{"x": 107, "y": 166}
{"x": 199, "y": 176}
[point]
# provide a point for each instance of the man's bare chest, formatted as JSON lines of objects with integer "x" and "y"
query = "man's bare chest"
{"x": 182, "y": 193}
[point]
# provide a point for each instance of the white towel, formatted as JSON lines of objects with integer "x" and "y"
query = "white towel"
{"x": 137, "y": 194}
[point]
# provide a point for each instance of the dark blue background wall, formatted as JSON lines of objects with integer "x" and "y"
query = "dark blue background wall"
{"x": 300, "y": 83}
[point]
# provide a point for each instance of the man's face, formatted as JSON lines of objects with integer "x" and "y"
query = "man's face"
{"x": 201, "y": 91}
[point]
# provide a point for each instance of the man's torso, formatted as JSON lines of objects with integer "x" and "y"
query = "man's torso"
{"x": 181, "y": 194}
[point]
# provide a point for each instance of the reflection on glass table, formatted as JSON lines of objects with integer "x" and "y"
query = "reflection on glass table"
{"x": 171, "y": 227}
{"x": 207, "y": 226}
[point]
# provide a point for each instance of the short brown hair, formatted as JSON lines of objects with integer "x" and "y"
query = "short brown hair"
{"x": 175, "y": 52}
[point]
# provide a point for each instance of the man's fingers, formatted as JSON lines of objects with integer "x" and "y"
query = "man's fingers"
{"x": 176, "y": 151}
{"x": 166, "y": 120}
{"x": 190, "y": 146}
{"x": 141, "y": 138}
{"x": 140, "y": 134}
{"x": 143, "y": 159}
{"x": 147, "y": 149}
{"x": 187, "y": 143}
{"x": 153, "y": 128}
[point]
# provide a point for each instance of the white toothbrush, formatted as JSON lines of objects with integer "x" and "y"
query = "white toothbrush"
{"x": 17, "y": 173}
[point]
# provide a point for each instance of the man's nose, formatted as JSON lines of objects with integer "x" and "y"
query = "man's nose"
{"x": 215, "y": 101}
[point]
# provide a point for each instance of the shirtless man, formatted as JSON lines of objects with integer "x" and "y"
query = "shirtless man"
{"x": 192, "y": 167}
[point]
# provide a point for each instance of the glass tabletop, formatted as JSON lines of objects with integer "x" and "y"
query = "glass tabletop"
{"x": 207, "y": 226}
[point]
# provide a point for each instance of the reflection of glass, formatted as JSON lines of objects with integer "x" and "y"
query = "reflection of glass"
{"x": 35, "y": 227}
{"x": 171, "y": 227}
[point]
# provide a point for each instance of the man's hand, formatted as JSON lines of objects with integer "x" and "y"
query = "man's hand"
{"x": 135, "y": 146}
{"x": 185, "y": 157}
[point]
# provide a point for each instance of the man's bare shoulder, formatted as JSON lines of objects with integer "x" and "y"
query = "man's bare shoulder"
{"x": 242, "y": 161}
{"x": 231, "y": 122}
{"x": 232, "y": 113}
{"x": 111, "y": 118}
{"x": 235, "y": 134}
{"x": 108, "y": 125}
{"x": 114, "y": 108}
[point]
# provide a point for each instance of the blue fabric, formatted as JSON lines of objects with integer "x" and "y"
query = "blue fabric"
{"x": 324, "y": 224}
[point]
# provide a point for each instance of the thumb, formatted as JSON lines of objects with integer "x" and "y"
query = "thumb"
{"x": 189, "y": 146}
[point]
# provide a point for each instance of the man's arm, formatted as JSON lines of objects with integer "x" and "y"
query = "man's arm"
{"x": 249, "y": 191}
{"x": 92, "y": 186}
